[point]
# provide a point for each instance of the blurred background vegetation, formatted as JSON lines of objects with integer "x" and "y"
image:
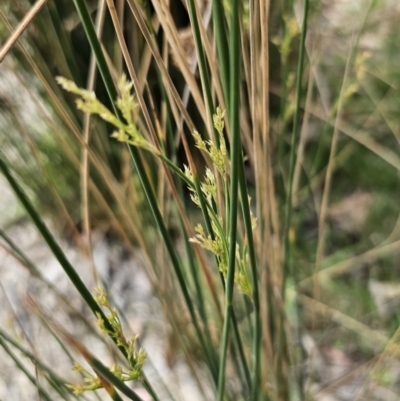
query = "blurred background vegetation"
{"x": 345, "y": 190}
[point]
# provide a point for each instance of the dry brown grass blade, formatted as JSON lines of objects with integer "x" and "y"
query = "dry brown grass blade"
{"x": 342, "y": 267}
{"x": 373, "y": 337}
{"x": 131, "y": 221}
{"x": 62, "y": 210}
{"x": 303, "y": 135}
{"x": 271, "y": 250}
{"x": 173, "y": 189}
{"x": 259, "y": 100}
{"x": 346, "y": 378}
{"x": 167, "y": 79}
{"x": 21, "y": 28}
{"x": 255, "y": 112}
{"x": 360, "y": 137}
{"x": 175, "y": 44}
{"x": 264, "y": 133}
{"x": 106, "y": 175}
{"x": 391, "y": 348}
{"x": 214, "y": 75}
{"x": 146, "y": 57}
{"x": 132, "y": 72}
{"x": 85, "y": 166}
{"x": 328, "y": 179}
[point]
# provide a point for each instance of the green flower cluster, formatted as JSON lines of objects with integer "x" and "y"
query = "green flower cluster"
{"x": 218, "y": 243}
{"x": 136, "y": 358}
{"x": 90, "y": 382}
{"x": 217, "y": 153}
{"x": 126, "y": 103}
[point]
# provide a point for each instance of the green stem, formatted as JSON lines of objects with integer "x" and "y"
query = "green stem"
{"x": 55, "y": 248}
{"x": 205, "y": 80}
{"x": 256, "y": 296}
{"x": 167, "y": 240}
{"x": 22, "y": 368}
{"x": 151, "y": 198}
{"x": 56, "y": 382}
{"x": 103, "y": 371}
{"x": 208, "y": 211}
{"x": 235, "y": 171}
{"x": 222, "y": 46}
{"x": 296, "y": 119}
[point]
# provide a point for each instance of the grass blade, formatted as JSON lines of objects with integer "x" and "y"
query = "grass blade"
{"x": 235, "y": 171}
{"x": 53, "y": 245}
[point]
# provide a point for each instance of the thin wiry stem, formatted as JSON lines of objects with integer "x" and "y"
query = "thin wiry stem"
{"x": 85, "y": 166}
{"x": 205, "y": 80}
{"x": 222, "y": 44}
{"x": 21, "y": 28}
{"x": 328, "y": 179}
{"x": 42, "y": 393}
{"x": 235, "y": 171}
{"x": 56, "y": 249}
{"x": 253, "y": 265}
{"x": 147, "y": 187}
{"x": 296, "y": 119}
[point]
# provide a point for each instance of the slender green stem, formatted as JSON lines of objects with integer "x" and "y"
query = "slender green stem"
{"x": 55, "y": 248}
{"x": 197, "y": 280}
{"x": 176, "y": 170}
{"x": 103, "y": 371}
{"x": 222, "y": 45}
{"x": 151, "y": 198}
{"x": 205, "y": 80}
{"x": 256, "y": 296}
{"x": 239, "y": 345}
{"x": 191, "y": 257}
{"x": 58, "y": 253}
{"x": 208, "y": 211}
{"x": 235, "y": 171}
{"x": 22, "y": 368}
{"x": 296, "y": 119}
{"x": 56, "y": 380}
{"x": 168, "y": 243}
{"x": 282, "y": 347}
{"x": 114, "y": 395}
{"x": 90, "y": 31}
{"x": 30, "y": 266}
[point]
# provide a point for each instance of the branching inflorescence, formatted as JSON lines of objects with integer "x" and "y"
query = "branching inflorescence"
{"x": 136, "y": 358}
{"x": 127, "y": 132}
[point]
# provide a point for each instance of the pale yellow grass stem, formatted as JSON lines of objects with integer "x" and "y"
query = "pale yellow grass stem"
{"x": 21, "y": 28}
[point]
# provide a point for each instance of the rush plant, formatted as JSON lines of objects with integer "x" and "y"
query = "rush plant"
{"x": 179, "y": 146}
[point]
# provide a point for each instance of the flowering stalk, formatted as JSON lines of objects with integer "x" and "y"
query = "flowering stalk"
{"x": 136, "y": 358}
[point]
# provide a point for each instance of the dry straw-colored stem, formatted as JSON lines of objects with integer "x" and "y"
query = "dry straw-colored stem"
{"x": 85, "y": 165}
{"x": 21, "y": 28}
{"x": 328, "y": 180}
